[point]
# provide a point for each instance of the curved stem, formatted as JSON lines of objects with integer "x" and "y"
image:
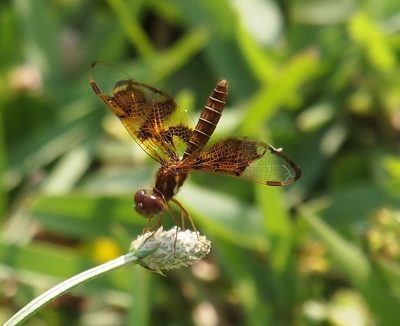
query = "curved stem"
{"x": 67, "y": 285}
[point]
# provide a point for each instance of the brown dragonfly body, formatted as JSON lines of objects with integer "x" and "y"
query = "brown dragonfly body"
{"x": 160, "y": 126}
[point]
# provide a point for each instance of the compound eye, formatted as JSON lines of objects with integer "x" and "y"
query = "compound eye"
{"x": 148, "y": 205}
{"x": 140, "y": 196}
{"x": 154, "y": 205}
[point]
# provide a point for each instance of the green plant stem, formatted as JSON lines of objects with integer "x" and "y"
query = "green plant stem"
{"x": 55, "y": 292}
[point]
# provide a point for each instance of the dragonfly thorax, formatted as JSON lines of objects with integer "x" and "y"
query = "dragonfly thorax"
{"x": 168, "y": 181}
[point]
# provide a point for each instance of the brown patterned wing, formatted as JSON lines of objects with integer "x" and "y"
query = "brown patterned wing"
{"x": 158, "y": 123}
{"x": 247, "y": 159}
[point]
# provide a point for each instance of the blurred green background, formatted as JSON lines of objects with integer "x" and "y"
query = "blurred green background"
{"x": 318, "y": 78}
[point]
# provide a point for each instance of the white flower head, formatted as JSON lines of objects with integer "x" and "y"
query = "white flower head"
{"x": 169, "y": 249}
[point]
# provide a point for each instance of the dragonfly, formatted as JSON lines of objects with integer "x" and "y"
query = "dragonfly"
{"x": 162, "y": 128}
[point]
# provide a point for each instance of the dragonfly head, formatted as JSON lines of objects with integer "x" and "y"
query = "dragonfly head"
{"x": 148, "y": 204}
